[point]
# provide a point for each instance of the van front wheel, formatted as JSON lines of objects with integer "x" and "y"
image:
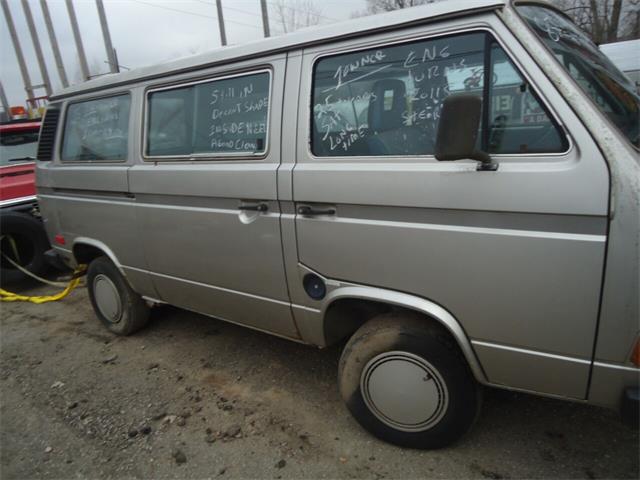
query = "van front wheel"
{"x": 118, "y": 307}
{"x": 405, "y": 380}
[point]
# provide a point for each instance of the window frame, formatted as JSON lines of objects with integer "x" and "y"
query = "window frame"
{"x": 63, "y": 132}
{"x": 490, "y": 37}
{"x": 208, "y": 156}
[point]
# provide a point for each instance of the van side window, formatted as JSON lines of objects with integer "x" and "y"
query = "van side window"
{"x": 225, "y": 116}
{"x": 518, "y": 123}
{"x": 387, "y": 101}
{"x": 97, "y": 129}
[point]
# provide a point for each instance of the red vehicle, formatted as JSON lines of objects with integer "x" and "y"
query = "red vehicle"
{"x": 22, "y": 236}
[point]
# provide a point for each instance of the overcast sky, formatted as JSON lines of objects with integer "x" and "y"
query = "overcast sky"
{"x": 143, "y": 32}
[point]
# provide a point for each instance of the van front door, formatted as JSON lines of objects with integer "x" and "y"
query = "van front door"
{"x": 516, "y": 255}
{"x": 207, "y": 198}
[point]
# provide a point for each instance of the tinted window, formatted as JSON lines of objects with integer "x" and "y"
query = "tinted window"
{"x": 97, "y": 129}
{"x": 223, "y": 116}
{"x": 387, "y": 101}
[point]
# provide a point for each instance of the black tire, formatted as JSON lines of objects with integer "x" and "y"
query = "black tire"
{"x": 456, "y": 395}
{"x": 23, "y": 234}
{"x": 130, "y": 313}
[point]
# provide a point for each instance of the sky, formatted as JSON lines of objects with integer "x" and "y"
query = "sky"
{"x": 143, "y": 32}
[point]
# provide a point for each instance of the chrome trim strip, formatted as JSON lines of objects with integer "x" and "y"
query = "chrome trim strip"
{"x": 531, "y": 352}
{"x": 466, "y": 229}
{"x": 616, "y": 367}
{"x": 305, "y": 308}
{"x": 16, "y": 201}
{"x": 206, "y": 285}
{"x": 17, "y": 164}
{"x": 583, "y": 237}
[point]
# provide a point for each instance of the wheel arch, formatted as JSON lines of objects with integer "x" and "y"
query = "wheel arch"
{"x": 346, "y": 308}
{"x": 85, "y": 249}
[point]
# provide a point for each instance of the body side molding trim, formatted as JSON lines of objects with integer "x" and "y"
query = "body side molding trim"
{"x": 527, "y": 351}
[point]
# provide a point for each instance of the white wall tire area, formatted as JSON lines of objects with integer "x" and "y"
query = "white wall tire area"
{"x": 118, "y": 307}
{"x": 405, "y": 380}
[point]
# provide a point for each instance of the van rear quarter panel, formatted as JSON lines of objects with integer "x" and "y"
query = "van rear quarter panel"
{"x": 90, "y": 201}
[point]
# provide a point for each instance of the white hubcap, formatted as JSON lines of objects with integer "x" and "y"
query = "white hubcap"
{"x": 107, "y": 298}
{"x": 404, "y": 391}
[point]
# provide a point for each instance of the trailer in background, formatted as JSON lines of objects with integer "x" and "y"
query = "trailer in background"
{"x": 626, "y": 56}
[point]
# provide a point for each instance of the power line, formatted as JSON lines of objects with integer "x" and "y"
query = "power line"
{"x": 300, "y": 11}
{"x": 192, "y": 13}
{"x": 288, "y": 7}
{"x": 204, "y": 2}
{"x": 229, "y": 8}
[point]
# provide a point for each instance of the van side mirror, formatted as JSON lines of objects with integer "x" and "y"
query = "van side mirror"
{"x": 458, "y": 131}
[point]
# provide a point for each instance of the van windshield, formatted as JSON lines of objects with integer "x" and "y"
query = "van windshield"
{"x": 613, "y": 93}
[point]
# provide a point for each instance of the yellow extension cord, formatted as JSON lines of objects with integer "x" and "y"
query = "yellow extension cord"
{"x": 6, "y": 296}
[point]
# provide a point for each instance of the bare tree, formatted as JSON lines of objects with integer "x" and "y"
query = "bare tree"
{"x": 381, "y": 6}
{"x": 605, "y": 20}
{"x": 291, "y": 15}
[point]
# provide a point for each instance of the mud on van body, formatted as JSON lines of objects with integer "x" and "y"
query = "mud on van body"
{"x": 452, "y": 189}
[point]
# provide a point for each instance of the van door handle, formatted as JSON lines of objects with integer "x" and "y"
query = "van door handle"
{"x": 310, "y": 211}
{"x": 258, "y": 207}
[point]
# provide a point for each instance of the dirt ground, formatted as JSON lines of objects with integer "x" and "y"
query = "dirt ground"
{"x": 194, "y": 397}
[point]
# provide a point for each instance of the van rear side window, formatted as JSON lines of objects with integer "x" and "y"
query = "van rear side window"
{"x": 227, "y": 116}
{"x": 97, "y": 129}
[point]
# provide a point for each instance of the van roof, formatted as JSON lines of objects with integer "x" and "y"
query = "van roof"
{"x": 301, "y": 38}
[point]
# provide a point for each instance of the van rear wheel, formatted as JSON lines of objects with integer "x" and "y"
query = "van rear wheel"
{"x": 118, "y": 307}
{"x": 405, "y": 380}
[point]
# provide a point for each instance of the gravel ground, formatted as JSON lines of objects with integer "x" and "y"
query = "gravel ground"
{"x": 194, "y": 397}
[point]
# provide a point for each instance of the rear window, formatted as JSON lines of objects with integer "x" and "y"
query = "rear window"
{"x": 18, "y": 147}
{"x": 97, "y": 130}
{"x": 222, "y": 117}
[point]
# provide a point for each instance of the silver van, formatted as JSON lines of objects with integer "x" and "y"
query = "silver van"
{"x": 452, "y": 190}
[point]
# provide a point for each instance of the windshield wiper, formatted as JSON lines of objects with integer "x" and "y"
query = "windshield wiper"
{"x": 21, "y": 158}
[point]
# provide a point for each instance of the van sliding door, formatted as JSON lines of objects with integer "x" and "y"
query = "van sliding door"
{"x": 207, "y": 198}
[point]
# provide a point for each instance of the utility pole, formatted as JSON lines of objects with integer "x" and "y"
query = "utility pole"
{"x": 265, "y": 18}
{"x": 36, "y": 46}
{"x": 223, "y": 34}
{"x": 16, "y": 45}
{"x": 84, "y": 68}
{"x": 4, "y": 102}
{"x": 54, "y": 43}
{"x": 111, "y": 57}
